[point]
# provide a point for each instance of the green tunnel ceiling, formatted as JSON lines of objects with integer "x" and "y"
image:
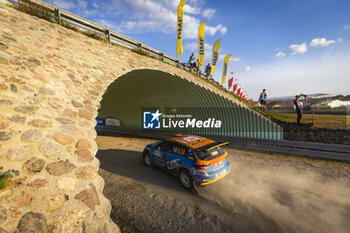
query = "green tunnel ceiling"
{"x": 139, "y": 90}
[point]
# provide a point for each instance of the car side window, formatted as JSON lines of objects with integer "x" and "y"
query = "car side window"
{"x": 178, "y": 149}
{"x": 165, "y": 146}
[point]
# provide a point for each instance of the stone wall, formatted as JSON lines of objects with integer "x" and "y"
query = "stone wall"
{"x": 51, "y": 83}
{"x": 323, "y": 135}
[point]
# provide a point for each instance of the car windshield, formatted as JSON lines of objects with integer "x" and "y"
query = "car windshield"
{"x": 204, "y": 153}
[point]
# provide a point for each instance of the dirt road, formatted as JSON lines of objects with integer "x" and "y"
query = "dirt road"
{"x": 263, "y": 193}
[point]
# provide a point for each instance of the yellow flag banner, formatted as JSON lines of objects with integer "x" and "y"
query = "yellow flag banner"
{"x": 201, "y": 48}
{"x": 180, "y": 14}
{"x": 224, "y": 71}
{"x": 215, "y": 55}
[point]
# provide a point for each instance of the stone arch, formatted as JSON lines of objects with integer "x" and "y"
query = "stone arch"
{"x": 51, "y": 83}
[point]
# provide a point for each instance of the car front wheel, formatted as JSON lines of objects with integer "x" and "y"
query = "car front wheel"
{"x": 185, "y": 179}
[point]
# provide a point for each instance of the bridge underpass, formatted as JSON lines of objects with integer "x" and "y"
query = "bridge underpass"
{"x": 52, "y": 82}
{"x": 149, "y": 90}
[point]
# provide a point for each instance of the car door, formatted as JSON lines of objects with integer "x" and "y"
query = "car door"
{"x": 172, "y": 156}
{"x": 179, "y": 157}
{"x": 160, "y": 153}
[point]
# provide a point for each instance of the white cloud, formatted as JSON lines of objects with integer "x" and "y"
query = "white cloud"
{"x": 223, "y": 30}
{"x": 346, "y": 27}
{"x": 95, "y": 5}
{"x": 209, "y": 13}
{"x": 235, "y": 59}
{"x": 298, "y": 48}
{"x": 191, "y": 46}
{"x": 321, "y": 42}
{"x": 191, "y": 10}
{"x": 247, "y": 68}
{"x": 340, "y": 40}
{"x": 280, "y": 54}
{"x": 67, "y": 5}
{"x": 212, "y": 30}
{"x": 82, "y": 4}
{"x": 323, "y": 74}
{"x": 106, "y": 23}
{"x": 142, "y": 16}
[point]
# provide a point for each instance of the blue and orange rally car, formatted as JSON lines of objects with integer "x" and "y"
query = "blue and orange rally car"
{"x": 193, "y": 159}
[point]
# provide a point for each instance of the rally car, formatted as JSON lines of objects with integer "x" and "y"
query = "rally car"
{"x": 194, "y": 159}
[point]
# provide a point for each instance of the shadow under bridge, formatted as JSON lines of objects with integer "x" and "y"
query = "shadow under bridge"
{"x": 132, "y": 96}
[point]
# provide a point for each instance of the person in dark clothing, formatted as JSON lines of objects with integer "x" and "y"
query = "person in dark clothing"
{"x": 196, "y": 67}
{"x": 208, "y": 70}
{"x": 262, "y": 99}
{"x": 191, "y": 62}
{"x": 298, "y": 105}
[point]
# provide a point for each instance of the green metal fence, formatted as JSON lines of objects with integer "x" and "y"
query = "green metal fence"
{"x": 131, "y": 94}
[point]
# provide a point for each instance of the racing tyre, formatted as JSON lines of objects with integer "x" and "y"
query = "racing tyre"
{"x": 147, "y": 159}
{"x": 185, "y": 179}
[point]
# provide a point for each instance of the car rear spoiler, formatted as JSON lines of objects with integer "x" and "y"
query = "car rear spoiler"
{"x": 217, "y": 145}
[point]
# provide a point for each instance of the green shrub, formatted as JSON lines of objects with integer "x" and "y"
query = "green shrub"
{"x": 3, "y": 183}
{"x": 68, "y": 26}
{"x": 34, "y": 9}
{"x": 95, "y": 36}
{"x": 141, "y": 52}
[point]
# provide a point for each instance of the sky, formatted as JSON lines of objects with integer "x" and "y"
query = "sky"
{"x": 285, "y": 46}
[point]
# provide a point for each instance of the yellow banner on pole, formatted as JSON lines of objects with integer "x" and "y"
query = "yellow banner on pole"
{"x": 180, "y": 14}
{"x": 201, "y": 47}
{"x": 215, "y": 55}
{"x": 224, "y": 71}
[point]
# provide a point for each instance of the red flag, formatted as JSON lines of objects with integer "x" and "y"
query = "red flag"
{"x": 235, "y": 85}
{"x": 230, "y": 82}
{"x": 241, "y": 93}
{"x": 239, "y": 89}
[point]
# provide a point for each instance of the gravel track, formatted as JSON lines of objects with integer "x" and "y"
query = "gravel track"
{"x": 263, "y": 193}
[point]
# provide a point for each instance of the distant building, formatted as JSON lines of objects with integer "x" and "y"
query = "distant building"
{"x": 338, "y": 103}
{"x": 310, "y": 96}
{"x": 285, "y": 103}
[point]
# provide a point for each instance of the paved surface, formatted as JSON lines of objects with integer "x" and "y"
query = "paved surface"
{"x": 263, "y": 193}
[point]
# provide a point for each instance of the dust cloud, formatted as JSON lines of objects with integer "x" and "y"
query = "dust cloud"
{"x": 283, "y": 199}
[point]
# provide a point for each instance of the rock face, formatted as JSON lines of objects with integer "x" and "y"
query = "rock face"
{"x": 60, "y": 168}
{"x": 32, "y": 222}
{"x": 55, "y": 201}
{"x": 51, "y": 83}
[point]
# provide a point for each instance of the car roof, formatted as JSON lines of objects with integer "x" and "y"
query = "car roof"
{"x": 192, "y": 141}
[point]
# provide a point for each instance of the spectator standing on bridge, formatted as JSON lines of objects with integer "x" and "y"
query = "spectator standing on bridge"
{"x": 208, "y": 71}
{"x": 191, "y": 62}
{"x": 262, "y": 99}
{"x": 196, "y": 67}
{"x": 298, "y": 105}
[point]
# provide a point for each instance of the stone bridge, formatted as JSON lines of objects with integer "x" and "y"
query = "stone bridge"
{"x": 51, "y": 83}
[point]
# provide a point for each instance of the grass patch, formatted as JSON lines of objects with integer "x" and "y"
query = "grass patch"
{"x": 3, "y": 182}
{"x": 95, "y": 36}
{"x": 142, "y": 52}
{"x": 321, "y": 120}
{"x": 34, "y": 9}
{"x": 68, "y": 26}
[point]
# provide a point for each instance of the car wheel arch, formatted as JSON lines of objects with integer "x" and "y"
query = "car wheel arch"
{"x": 183, "y": 168}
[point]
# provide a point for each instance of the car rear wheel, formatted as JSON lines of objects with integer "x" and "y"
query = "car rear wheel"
{"x": 185, "y": 179}
{"x": 147, "y": 159}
